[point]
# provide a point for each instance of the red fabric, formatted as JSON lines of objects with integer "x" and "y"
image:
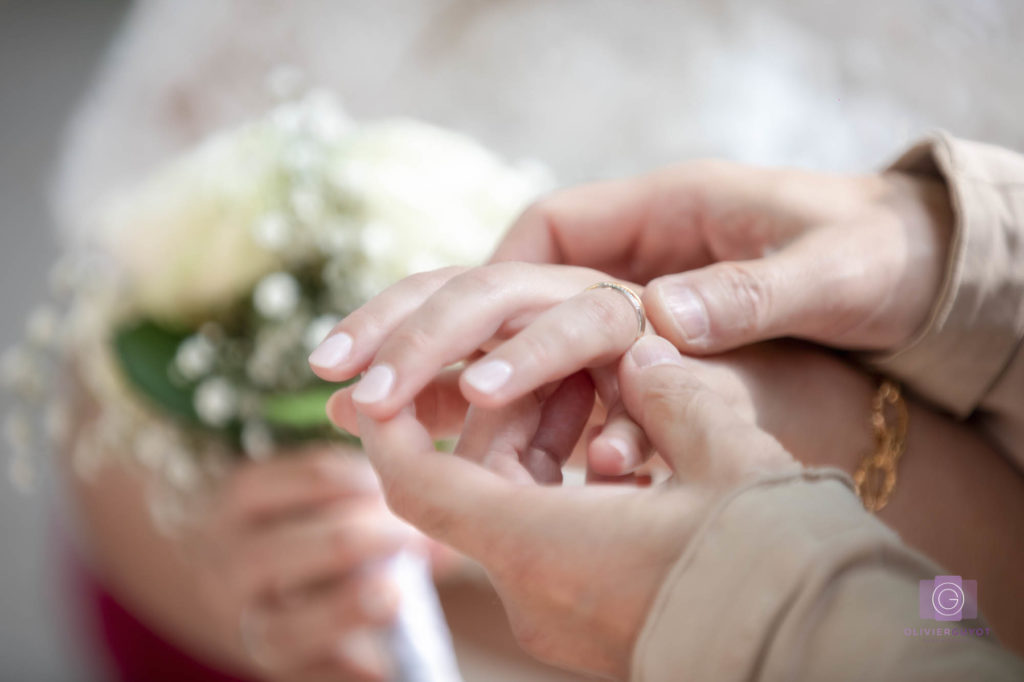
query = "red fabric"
{"x": 135, "y": 652}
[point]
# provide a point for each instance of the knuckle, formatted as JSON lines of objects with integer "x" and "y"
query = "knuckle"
{"x": 360, "y": 323}
{"x": 486, "y": 278}
{"x": 671, "y": 399}
{"x": 412, "y": 341}
{"x": 608, "y": 317}
{"x": 537, "y": 348}
{"x": 750, "y": 294}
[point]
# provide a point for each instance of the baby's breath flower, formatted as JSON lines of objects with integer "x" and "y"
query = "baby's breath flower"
{"x": 276, "y": 296}
{"x": 195, "y": 357}
{"x": 216, "y": 401}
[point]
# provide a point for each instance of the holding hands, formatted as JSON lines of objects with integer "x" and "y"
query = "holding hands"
{"x": 556, "y": 556}
{"x": 512, "y": 357}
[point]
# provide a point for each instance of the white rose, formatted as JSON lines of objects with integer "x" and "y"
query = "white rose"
{"x": 431, "y": 197}
{"x": 196, "y": 236}
{"x": 400, "y": 195}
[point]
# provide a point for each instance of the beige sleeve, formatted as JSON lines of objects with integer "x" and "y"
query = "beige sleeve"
{"x": 969, "y": 357}
{"x": 790, "y": 579}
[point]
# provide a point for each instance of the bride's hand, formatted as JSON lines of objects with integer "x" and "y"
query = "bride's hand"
{"x": 289, "y": 556}
{"x": 536, "y": 324}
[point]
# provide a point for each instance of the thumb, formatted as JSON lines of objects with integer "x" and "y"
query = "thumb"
{"x": 693, "y": 428}
{"x": 810, "y": 289}
{"x": 447, "y": 497}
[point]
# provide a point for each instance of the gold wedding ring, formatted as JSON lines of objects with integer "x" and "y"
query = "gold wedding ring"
{"x": 634, "y": 300}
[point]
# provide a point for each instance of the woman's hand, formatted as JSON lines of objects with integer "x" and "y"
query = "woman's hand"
{"x": 290, "y": 555}
{"x": 537, "y": 323}
{"x": 577, "y": 568}
{"x": 732, "y": 254}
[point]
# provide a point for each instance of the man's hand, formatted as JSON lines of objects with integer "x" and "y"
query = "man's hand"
{"x": 732, "y": 254}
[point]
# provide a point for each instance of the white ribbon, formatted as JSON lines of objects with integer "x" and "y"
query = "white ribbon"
{"x": 421, "y": 642}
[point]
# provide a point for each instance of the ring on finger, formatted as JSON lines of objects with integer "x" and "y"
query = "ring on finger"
{"x": 634, "y": 300}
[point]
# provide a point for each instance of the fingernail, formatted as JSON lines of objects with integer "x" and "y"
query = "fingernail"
{"x": 488, "y": 376}
{"x": 622, "y": 448}
{"x": 378, "y": 601}
{"x": 375, "y": 385}
{"x": 654, "y": 350}
{"x": 332, "y": 351}
{"x": 688, "y": 310}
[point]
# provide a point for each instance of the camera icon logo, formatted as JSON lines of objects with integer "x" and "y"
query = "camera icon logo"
{"x": 948, "y": 598}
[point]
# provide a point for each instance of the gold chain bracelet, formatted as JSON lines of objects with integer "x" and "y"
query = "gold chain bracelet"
{"x": 875, "y": 478}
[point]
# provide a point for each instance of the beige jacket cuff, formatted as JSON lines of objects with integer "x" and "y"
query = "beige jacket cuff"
{"x": 763, "y": 546}
{"x": 976, "y": 326}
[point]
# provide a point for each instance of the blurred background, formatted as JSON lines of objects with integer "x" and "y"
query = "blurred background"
{"x": 591, "y": 88}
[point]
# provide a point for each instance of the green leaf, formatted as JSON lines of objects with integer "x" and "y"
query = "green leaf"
{"x": 145, "y": 352}
{"x": 305, "y": 409}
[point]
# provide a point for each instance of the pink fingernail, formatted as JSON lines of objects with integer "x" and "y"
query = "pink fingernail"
{"x": 622, "y": 448}
{"x": 488, "y": 376}
{"x": 375, "y": 385}
{"x": 332, "y": 352}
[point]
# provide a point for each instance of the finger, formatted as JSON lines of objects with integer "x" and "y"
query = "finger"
{"x": 458, "y": 319}
{"x": 448, "y": 498}
{"x": 561, "y": 228}
{"x": 698, "y": 434}
{"x": 620, "y": 447}
{"x": 301, "y": 553}
{"x": 563, "y": 417}
{"x": 259, "y": 491}
{"x": 590, "y": 329}
{"x": 317, "y": 628}
{"x": 735, "y": 303}
{"x": 440, "y": 407}
{"x": 350, "y": 346}
{"x": 530, "y": 438}
{"x": 494, "y": 438}
{"x": 621, "y": 227}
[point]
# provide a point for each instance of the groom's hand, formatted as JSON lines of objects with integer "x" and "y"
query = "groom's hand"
{"x": 577, "y": 568}
{"x": 732, "y": 254}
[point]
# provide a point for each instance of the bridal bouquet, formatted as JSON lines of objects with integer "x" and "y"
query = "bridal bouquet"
{"x": 190, "y": 322}
{"x": 214, "y": 278}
